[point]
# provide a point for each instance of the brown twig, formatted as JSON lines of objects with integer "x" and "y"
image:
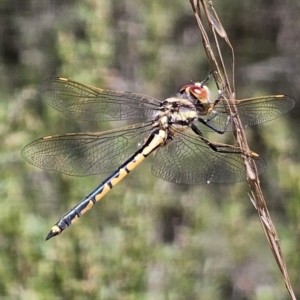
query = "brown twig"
{"x": 220, "y": 74}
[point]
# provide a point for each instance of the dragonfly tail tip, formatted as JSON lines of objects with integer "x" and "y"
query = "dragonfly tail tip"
{"x": 55, "y": 230}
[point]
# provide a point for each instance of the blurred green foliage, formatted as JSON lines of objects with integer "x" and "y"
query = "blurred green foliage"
{"x": 147, "y": 239}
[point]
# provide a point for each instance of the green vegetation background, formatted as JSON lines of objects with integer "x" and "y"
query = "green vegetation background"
{"x": 147, "y": 239}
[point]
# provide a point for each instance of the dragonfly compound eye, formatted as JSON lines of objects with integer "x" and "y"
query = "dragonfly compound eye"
{"x": 200, "y": 92}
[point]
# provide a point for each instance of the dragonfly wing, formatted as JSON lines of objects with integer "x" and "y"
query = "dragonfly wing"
{"x": 84, "y": 154}
{"x": 83, "y": 102}
{"x": 251, "y": 111}
{"x": 263, "y": 109}
{"x": 188, "y": 160}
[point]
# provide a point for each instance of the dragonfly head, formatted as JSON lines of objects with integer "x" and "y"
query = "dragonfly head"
{"x": 199, "y": 94}
{"x": 196, "y": 91}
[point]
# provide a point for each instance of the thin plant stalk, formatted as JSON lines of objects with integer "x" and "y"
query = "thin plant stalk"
{"x": 226, "y": 84}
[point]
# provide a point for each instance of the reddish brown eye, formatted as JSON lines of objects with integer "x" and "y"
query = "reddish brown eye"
{"x": 199, "y": 92}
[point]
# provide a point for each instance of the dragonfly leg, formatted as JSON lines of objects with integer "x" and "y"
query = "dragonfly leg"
{"x": 200, "y": 134}
{"x": 215, "y": 146}
{"x": 221, "y": 131}
{"x": 223, "y": 148}
{"x": 207, "y": 78}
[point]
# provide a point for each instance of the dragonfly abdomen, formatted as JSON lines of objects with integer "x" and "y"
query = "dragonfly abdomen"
{"x": 155, "y": 139}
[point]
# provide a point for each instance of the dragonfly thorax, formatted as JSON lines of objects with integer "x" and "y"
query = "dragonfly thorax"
{"x": 178, "y": 113}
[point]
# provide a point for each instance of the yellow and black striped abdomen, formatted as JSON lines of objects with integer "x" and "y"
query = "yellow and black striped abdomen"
{"x": 155, "y": 139}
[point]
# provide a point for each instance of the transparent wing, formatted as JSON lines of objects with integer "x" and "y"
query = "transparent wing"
{"x": 188, "y": 159}
{"x": 252, "y": 111}
{"x": 83, "y": 102}
{"x": 84, "y": 154}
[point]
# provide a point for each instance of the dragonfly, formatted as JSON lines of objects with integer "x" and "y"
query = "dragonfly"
{"x": 172, "y": 127}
